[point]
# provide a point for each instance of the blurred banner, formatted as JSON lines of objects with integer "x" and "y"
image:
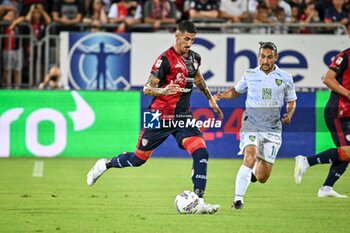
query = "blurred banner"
{"x": 104, "y": 124}
{"x": 69, "y": 124}
{"x": 125, "y": 60}
{"x": 298, "y": 137}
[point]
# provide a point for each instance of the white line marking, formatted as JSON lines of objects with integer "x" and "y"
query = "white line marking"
{"x": 38, "y": 169}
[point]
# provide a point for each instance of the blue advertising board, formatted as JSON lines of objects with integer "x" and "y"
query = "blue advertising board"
{"x": 223, "y": 142}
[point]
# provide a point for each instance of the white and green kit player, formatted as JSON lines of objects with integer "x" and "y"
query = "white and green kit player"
{"x": 268, "y": 88}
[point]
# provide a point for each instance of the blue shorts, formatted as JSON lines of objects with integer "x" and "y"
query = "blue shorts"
{"x": 151, "y": 138}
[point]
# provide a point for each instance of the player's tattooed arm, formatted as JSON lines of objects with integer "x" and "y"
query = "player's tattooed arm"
{"x": 151, "y": 88}
{"x": 202, "y": 86}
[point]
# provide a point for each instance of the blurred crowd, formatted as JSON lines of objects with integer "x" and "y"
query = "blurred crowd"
{"x": 125, "y": 14}
{"x": 154, "y": 15}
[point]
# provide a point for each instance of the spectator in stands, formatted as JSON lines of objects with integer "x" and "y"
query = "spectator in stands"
{"x": 4, "y": 9}
{"x": 96, "y": 15}
{"x": 183, "y": 7}
{"x": 68, "y": 13}
{"x": 12, "y": 58}
{"x": 37, "y": 17}
{"x": 13, "y": 5}
{"x": 275, "y": 5}
{"x": 159, "y": 12}
{"x": 204, "y": 9}
{"x": 52, "y": 80}
{"x": 281, "y": 18}
{"x": 235, "y": 11}
{"x": 337, "y": 14}
{"x": 125, "y": 13}
{"x": 309, "y": 16}
{"x": 27, "y": 4}
{"x": 262, "y": 17}
{"x": 295, "y": 18}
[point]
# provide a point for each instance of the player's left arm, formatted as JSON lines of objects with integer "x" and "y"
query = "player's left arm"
{"x": 202, "y": 86}
{"x": 290, "y": 109}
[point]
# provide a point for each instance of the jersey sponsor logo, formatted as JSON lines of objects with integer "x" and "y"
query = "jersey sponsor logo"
{"x": 189, "y": 80}
{"x": 266, "y": 93}
{"x": 185, "y": 90}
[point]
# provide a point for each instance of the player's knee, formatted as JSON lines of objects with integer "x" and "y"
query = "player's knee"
{"x": 250, "y": 156}
{"x": 251, "y": 151}
{"x": 140, "y": 157}
{"x": 192, "y": 144}
{"x": 344, "y": 153}
{"x": 136, "y": 162}
{"x": 201, "y": 154}
{"x": 262, "y": 179}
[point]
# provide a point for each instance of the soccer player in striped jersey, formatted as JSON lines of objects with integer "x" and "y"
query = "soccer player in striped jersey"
{"x": 173, "y": 76}
{"x": 337, "y": 117}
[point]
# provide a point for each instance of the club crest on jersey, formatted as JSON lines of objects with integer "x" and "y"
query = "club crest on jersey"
{"x": 278, "y": 82}
{"x": 158, "y": 63}
{"x": 252, "y": 138}
{"x": 339, "y": 61}
{"x": 144, "y": 141}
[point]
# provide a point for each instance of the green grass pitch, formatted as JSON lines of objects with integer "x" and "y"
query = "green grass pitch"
{"x": 141, "y": 199}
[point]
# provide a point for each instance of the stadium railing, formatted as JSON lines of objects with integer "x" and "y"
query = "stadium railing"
{"x": 23, "y": 42}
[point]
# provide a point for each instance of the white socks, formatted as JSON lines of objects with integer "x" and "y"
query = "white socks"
{"x": 242, "y": 182}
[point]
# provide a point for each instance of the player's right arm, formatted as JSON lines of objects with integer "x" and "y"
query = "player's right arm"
{"x": 228, "y": 94}
{"x": 151, "y": 88}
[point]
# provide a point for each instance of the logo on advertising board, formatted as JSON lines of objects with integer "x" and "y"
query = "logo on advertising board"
{"x": 67, "y": 123}
{"x": 99, "y": 61}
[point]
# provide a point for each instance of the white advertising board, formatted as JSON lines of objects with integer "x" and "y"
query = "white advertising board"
{"x": 225, "y": 57}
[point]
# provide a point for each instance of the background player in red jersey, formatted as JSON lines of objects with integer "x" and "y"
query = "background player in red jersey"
{"x": 173, "y": 75}
{"x": 337, "y": 117}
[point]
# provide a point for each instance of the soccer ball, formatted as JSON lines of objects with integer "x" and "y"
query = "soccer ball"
{"x": 186, "y": 202}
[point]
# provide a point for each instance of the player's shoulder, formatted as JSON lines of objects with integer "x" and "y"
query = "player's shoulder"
{"x": 283, "y": 74}
{"x": 195, "y": 55}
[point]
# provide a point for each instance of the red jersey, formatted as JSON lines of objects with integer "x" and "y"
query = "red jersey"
{"x": 340, "y": 105}
{"x": 182, "y": 71}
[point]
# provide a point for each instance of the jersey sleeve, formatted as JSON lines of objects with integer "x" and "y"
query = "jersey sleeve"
{"x": 339, "y": 63}
{"x": 290, "y": 94}
{"x": 242, "y": 86}
{"x": 161, "y": 68}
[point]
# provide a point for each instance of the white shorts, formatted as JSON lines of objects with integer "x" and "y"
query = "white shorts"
{"x": 268, "y": 144}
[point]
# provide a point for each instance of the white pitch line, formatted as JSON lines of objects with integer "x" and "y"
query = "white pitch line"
{"x": 38, "y": 169}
